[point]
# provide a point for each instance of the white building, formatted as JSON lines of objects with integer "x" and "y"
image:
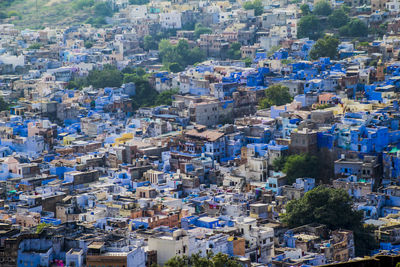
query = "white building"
{"x": 74, "y": 257}
{"x": 172, "y": 20}
{"x": 260, "y": 240}
{"x": 12, "y": 60}
{"x": 393, "y": 6}
{"x": 168, "y": 246}
{"x": 138, "y": 12}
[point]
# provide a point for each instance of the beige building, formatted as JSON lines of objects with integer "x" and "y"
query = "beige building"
{"x": 378, "y": 5}
{"x": 155, "y": 177}
{"x": 169, "y": 245}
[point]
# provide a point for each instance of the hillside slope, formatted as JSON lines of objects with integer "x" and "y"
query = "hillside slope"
{"x": 41, "y": 13}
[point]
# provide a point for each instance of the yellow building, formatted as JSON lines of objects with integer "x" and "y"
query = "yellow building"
{"x": 123, "y": 139}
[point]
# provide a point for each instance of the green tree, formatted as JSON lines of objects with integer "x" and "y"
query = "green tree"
{"x": 82, "y": 4}
{"x": 198, "y": 261}
{"x": 145, "y": 96}
{"x": 3, "y": 104}
{"x": 77, "y": 83}
{"x": 195, "y": 55}
{"x": 322, "y": 106}
{"x": 346, "y": 9}
{"x": 234, "y": 51}
{"x": 256, "y": 5}
{"x": 218, "y": 260}
{"x": 338, "y": 18}
{"x": 334, "y": 208}
{"x": 139, "y": 2}
{"x": 379, "y": 30}
{"x": 273, "y": 50}
{"x": 132, "y": 75}
{"x": 305, "y": 9}
{"x": 325, "y": 47}
{"x": 355, "y": 28}
{"x": 322, "y": 8}
{"x": 180, "y": 53}
{"x": 223, "y": 260}
{"x": 278, "y": 163}
{"x": 35, "y": 46}
{"x": 109, "y": 76}
{"x": 97, "y": 21}
{"x": 149, "y": 43}
{"x": 178, "y": 261}
{"x": 247, "y": 62}
{"x": 14, "y": 13}
{"x": 3, "y": 15}
{"x": 298, "y": 166}
{"x": 88, "y": 44}
{"x": 167, "y": 51}
{"x": 189, "y": 26}
{"x": 200, "y": 29}
{"x": 102, "y": 9}
{"x": 175, "y": 67}
{"x": 276, "y": 95}
{"x": 309, "y": 26}
{"x": 165, "y": 97}
{"x": 41, "y": 226}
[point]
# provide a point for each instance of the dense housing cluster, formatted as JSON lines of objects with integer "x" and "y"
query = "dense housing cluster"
{"x": 201, "y": 133}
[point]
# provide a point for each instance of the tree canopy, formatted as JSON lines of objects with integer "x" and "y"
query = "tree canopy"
{"x": 138, "y": 2}
{"x": 109, "y": 76}
{"x": 35, "y": 46}
{"x": 81, "y": 4}
{"x": 3, "y": 104}
{"x": 355, "y": 28}
{"x": 218, "y": 260}
{"x": 102, "y": 9}
{"x": 313, "y": 24}
{"x": 256, "y": 5}
{"x": 305, "y": 9}
{"x": 329, "y": 206}
{"x": 179, "y": 55}
{"x": 88, "y": 44}
{"x": 322, "y": 8}
{"x": 234, "y": 51}
{"x": 165, "y": 97}
{"x": 325, "y": 47}
{"x": 145, "y": 95}
{"x": 247, "y": 61}
{"x": 149, "y": 43}
{"x": 309, "y": 26}
{"x": 338, "y": 18}
{"x": 200, "y": 29}
{"x": 275, "y": 95}
{"x": 298, "y": 166}
{"x": 334, "y": 208}
{"x": 278, "y": 163}
{"x": 42, "y": 226}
